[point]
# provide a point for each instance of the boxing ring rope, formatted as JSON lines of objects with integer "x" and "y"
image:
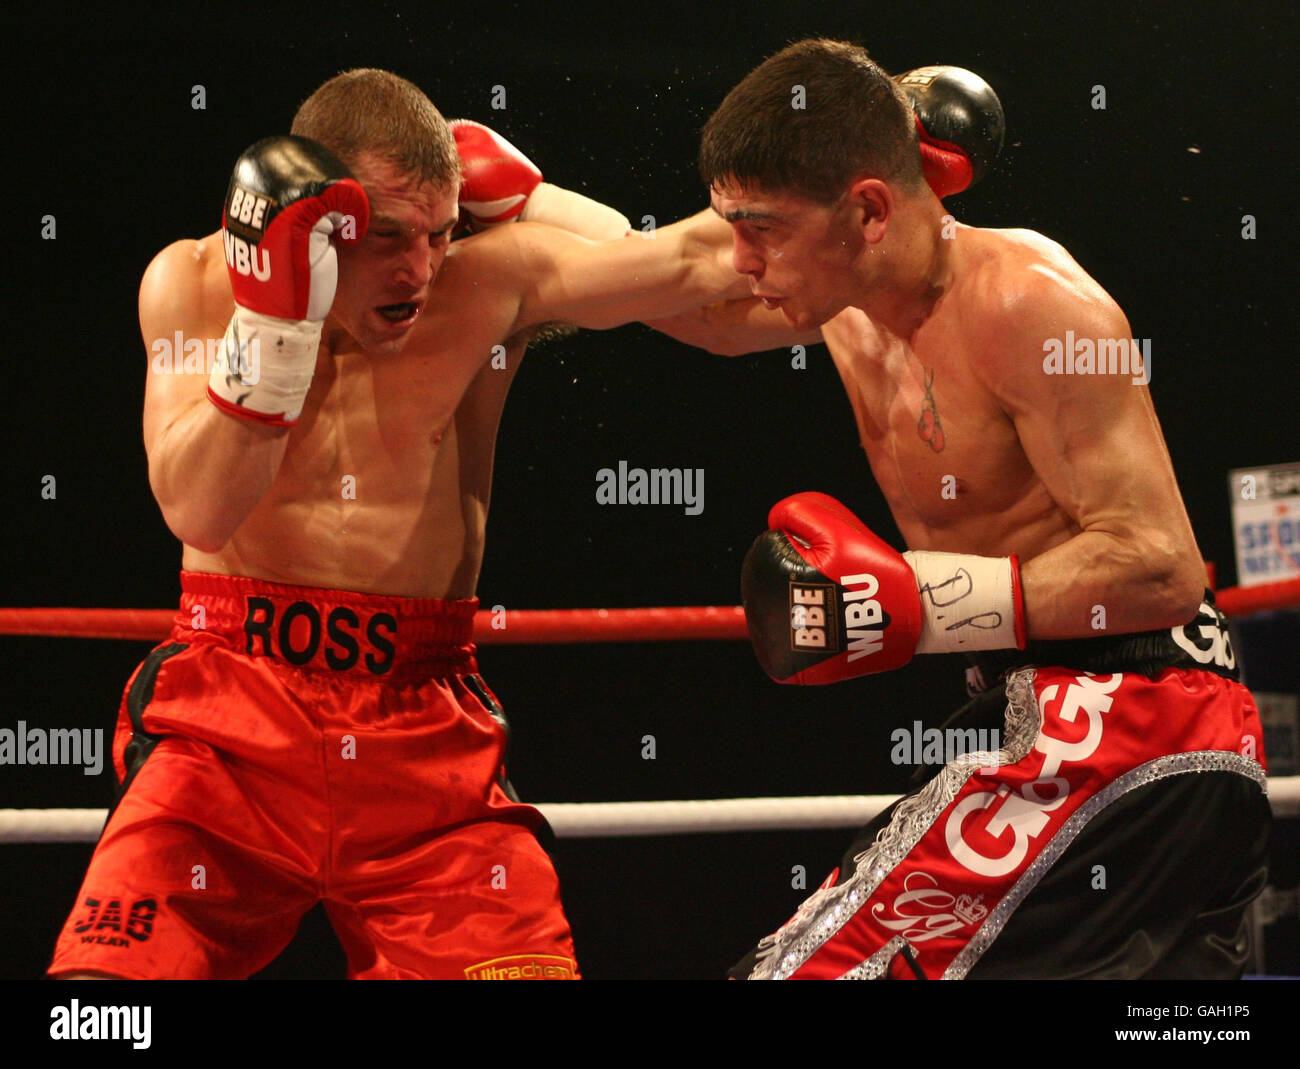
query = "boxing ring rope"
{"x": 506, "y": 627}
{"x": 574, "y": 820}
{"x": 524, "y": 626}
{"x": 595, "y": 820}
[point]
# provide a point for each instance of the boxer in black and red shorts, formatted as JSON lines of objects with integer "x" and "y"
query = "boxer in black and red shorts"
{"x": 1001, "y": 398}
{"x": 1120, "y": 832}
{"x": 292, "y": 745}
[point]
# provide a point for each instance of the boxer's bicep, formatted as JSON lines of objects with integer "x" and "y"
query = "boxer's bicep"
{"x": 1093, "y": 441}
{"x": 181, "y": 332}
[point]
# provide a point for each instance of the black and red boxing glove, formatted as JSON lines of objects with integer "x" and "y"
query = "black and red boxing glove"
{"x": 960, "y": 123}
{"x": 501, "y": 185}
{"x": 287, "y": 197}
{"x": 826, "y": 599}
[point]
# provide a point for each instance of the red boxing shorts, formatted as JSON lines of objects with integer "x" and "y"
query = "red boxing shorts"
{"x": 291, "y": 745}
{"x": 1120, "y": 831}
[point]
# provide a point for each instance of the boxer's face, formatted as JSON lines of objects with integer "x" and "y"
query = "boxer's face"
{"x": 799, "y": 255}
{"x": 384, "y": 279}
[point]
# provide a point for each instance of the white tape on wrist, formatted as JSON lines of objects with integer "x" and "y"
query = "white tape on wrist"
{"x": 265, "y": 367}
{"x": 575, "y": 213}
{"x": 967, "y": 602}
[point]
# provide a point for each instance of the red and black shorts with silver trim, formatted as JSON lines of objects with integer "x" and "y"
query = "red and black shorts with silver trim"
{"x": 1120, "y": 832}
{"x": 294, "y": 745}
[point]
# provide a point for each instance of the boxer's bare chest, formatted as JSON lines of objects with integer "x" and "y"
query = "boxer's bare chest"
{"x": 370, "y": 493}
{"x": 385, "y": 419}
{"x": 942, "y": 450}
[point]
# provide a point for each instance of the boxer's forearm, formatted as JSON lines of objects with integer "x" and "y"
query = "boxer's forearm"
{"x": 208, "y": 470}
{"x": 734, "y": 328}
{"x": 598, "y": 286}
{"x": 1112, "y": 583}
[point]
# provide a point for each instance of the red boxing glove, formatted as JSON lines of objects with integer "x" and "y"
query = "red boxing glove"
{"x": 827, "y": 600}
{"x": 286, "y": 198}
{"x": 498, "y": 178}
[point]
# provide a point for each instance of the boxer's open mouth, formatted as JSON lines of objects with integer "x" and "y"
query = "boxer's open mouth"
{"x": 398, "y": 313}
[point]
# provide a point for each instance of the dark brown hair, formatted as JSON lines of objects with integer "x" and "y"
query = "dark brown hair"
{"x": 368, "y": 110}
{"x": 854, "y": 122}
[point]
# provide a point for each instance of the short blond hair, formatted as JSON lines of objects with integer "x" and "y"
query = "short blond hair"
{"x": 372, "y": 111}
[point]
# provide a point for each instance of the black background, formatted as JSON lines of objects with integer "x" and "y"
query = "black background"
{"x": 1148, "y": 195}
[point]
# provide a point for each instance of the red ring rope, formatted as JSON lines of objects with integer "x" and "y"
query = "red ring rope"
{"x": 684, "y": 623}
{"x": 520, "y": 625}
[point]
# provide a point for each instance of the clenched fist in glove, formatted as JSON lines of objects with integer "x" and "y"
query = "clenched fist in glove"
{"x": 287, "y": 197}
{"x": 826, "y": 600}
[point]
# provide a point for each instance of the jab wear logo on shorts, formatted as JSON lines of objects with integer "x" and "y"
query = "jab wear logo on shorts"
{"x": 300, "y": 636}
{"x": 525, "y": 967}
{"x": 110, "y": 922}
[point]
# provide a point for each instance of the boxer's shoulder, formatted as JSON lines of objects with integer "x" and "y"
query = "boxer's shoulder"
{"x": 484, "y": 268}
{"x": 186, "y": 280}
{"x": 518, "y": 251}
{"x": 1015, "y": 288}
{"x": 1012, "y": 269}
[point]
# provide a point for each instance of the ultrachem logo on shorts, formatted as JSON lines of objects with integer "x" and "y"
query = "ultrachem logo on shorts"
{"x": 1100, "y": 356}
{"x": 657, "y": 486}
{"x": 524, "y": 967}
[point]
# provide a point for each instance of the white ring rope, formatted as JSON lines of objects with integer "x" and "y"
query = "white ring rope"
{"x": 589, "y": 820}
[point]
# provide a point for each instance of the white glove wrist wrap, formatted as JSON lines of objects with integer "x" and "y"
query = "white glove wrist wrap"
{"x": 967, "y": 602}
{"x": 265, "y": 367}
{"x": 575, "y": 213}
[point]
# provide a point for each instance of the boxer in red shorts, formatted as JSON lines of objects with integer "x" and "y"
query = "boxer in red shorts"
{"x": 315, "y": 728}
{"x": 1121, "y": 828}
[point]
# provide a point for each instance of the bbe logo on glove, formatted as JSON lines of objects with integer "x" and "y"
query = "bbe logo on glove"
{"x": 810, "y": 626}
{"x": 245, "y": 220}
{"x": 246, "y": 213}
{"x": 813, "y": 616}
